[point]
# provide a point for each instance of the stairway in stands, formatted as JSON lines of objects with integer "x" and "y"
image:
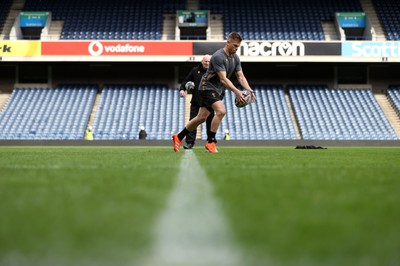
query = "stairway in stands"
{"x": 3, "y": 100}
{"x": 389, "y": 112}
{"x": 370, "y": 12}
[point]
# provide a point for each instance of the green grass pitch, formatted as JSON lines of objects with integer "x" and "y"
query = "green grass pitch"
{"x": 97, "y": 205}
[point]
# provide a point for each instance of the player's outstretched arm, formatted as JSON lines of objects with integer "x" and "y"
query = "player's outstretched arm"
{"x": 227, "y": 83}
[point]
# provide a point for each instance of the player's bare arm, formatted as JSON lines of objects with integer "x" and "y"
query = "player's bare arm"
{"x": 228, "y": 84}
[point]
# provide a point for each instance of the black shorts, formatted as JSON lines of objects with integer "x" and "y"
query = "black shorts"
{"x": 208, "y": 98}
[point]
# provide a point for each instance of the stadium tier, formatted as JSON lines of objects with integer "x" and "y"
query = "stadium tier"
{"x": 255, "y": 20}
{"x": 36, "y": 114}
{"x": 339, "y": 114}
{"x": 268, "y": 119}
{"x": 279, "y": 19}
{"x": 321, "y": 113}
{"x": 124, "y": 109}
{"x": 108, "y": 20}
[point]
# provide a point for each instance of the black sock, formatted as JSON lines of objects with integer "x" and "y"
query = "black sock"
{"x": 211, "y": 137}
{"x": 183, "y": 133}
{"x": 208, "y": 134}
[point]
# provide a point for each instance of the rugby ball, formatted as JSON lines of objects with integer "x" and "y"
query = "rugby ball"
{"x": 240, "y": 104}
{"x": 189, "y": 86}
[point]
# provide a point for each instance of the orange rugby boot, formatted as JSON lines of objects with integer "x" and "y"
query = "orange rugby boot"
{"x": 177, "y": 142}
{"x": 211, "y": 147}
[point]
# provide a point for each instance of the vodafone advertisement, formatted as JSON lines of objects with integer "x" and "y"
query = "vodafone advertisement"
{"x": 116, "y": 48}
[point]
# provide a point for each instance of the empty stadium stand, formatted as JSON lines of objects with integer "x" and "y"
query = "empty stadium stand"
{"x": 388, "y": 13}
{"x": 123, "y": 109}
{"x": 279, "y": 19}
{"x": 267, "y": 119}
{"x": 339, "y": 114}
{"x": 108, "y": 20}
{"x": 255, "y": 20}
{"x": 142, "y": 20}
{"x": 61, "y": 113}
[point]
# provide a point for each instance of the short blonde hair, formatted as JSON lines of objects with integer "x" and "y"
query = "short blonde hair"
{"x": 235, "y": 36}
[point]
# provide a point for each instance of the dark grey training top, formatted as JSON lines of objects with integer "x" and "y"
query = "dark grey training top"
{"x": 220, "y": 61}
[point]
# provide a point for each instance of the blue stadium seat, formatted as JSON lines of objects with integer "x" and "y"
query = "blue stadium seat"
{"x": 285, "y": 19}
{"x": 97, "y": 19}
{"x": 387, "y": 11}
{"x": 59, "y": 113}
{"x": 267, "y": 119}
{"x": 334, "y": 114}
{"x": 124, "y": 109}
{"x": 4, "y": 8}
{"x": 393, "y": 94}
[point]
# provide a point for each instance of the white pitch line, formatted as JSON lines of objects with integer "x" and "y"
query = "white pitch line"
{"x": 192, "y": 230}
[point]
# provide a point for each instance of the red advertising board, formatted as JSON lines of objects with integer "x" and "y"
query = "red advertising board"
{"x": 116, "y": 48}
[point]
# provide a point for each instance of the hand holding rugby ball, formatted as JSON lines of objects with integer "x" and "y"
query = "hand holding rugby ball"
{"x": 189, "y": 86}
{"x": 247, "y": 98}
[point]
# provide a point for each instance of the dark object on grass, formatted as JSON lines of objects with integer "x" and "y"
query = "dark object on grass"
{"x": 309, "y": 147}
